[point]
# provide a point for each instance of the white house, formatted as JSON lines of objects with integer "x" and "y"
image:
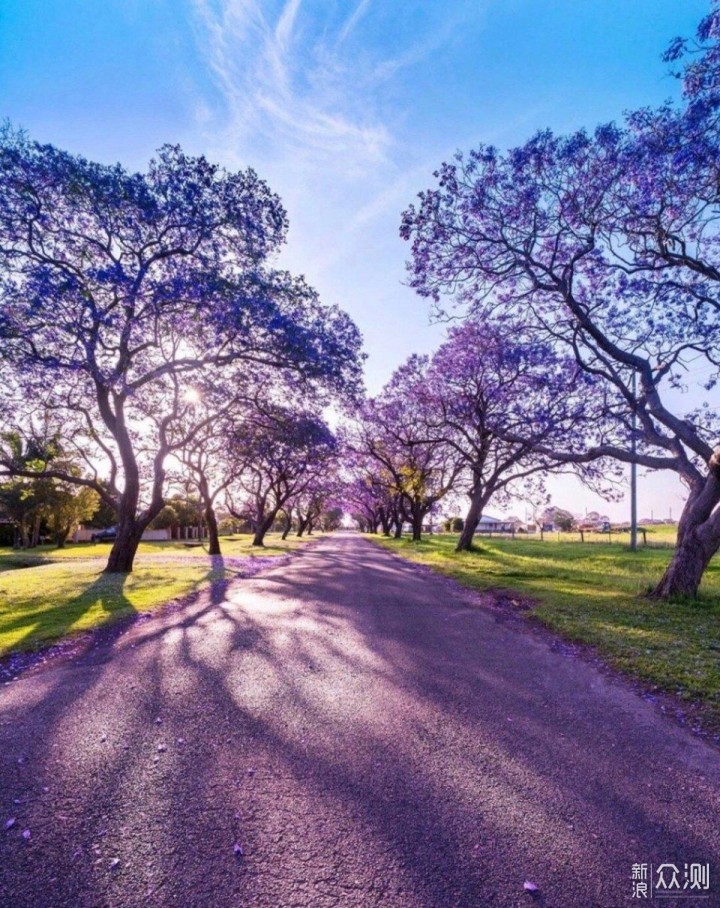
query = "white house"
{"x": 488, "y": 524}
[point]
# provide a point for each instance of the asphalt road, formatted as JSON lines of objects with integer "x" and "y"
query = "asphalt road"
{"x": 366, "y": 733}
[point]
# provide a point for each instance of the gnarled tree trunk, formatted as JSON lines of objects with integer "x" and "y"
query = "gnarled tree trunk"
{"x": 35, "y": 536}
{"x": 264, "y": 523}
{"x": 417, "y": 516}
{"x": 62, "y": 535}
{"x": 698, "y": 538}
{"x": 684, "y": 573}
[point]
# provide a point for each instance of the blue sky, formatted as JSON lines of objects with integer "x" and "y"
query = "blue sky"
{"x": 344, "y": 107}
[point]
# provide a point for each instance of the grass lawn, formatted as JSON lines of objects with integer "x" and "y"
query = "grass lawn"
{"x": 594, "y": 594}
{"x": 49, "y": 593}
{"x": 661, "y": 535}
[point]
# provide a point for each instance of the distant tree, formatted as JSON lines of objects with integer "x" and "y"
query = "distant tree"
{"x": 500, "y": 400}
{"x": 279, "y": 454}
{"x": 331, "y": 518}
{"x": 313, "y": 505}
{"x": 67, "y": 505}
{"x": 208, "y": 462}
{"x": 166, "y": 519}
{"x": 187, "y": 511}
{"x": 104, "y": 516}
{"x": 58, "y": 505}
{"x": 391, "y": 431}
{"x": 363, "y": 500}
{"x": 366, "y": 489}
{"x": 564, "y": 520}
{"x": 18, "y": 504}
{"x": 21, "y": 499}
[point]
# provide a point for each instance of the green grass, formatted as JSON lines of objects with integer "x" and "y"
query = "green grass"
{"x": 595, "y": 594}
{"x": 49, "y": 593}
{"x": 658, "y": 535}
{"x": 231, "y": 545}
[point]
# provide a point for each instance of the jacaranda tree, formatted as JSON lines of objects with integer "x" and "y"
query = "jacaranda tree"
{"x": 414, "y": 469}
{"x": 120, "y": 290}
{"x": 606, "y": 245}
{"x": 502, "y": 401}
{"x": 279, "y": 454}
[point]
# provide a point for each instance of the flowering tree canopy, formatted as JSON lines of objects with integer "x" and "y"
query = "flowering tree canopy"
{"x": 505, "y": 403}
{"x": 119, "y": 291}
{"x": 605, "y": 245}
{"x": 279, "y": 454}
{"x": 413, "y": 469}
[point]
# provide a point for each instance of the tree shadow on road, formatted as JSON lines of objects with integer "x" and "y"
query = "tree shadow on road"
{"x": 348, "y": 723}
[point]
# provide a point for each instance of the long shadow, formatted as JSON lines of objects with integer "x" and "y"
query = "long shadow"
{"x": 49, "y": 632}
{"x": 426, "y": 785}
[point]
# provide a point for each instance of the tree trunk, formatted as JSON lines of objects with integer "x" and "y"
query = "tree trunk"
{"x": 122, "y": 554}
{"x": 288, "y": 523}
{"x": 471, "y": 521}
{"x": 262, "y": 528}
{"x": 417, "y": 520}
{"x": 213, "y": 535}
{"x": 684, "y": 573}
{"x": 698, "y": 540}
{"x": 302, "y": 524}
{"x": 397, "y": 534}
{"x": 61, "y": 536}
{"x": 35, "y": 538}
{"x": 24, "y": 541}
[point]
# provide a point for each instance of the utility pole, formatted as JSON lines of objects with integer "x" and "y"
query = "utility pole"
{"x": 633, "y": 471}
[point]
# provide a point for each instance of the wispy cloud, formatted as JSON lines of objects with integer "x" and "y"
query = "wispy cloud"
{"x": 283, "y": 30}
{"x": 311, "y": 97}
{"x": 352, "y": 20}
{"x": 297, "y": 97}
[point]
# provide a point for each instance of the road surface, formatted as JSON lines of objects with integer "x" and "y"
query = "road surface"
{"x": 345, "y": 730}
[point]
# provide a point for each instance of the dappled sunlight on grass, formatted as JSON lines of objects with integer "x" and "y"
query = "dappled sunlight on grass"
{"x": 48, "y": 592}
{"x": 240, "y": 544}
{"x": 43, "y": 603}
{"x": 596, "y": 594}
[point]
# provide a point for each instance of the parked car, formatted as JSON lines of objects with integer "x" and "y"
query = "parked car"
{"x": 107, "y": 535}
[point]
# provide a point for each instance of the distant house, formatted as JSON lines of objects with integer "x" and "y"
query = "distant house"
{"x": 594, "y": 522}
{"x": 488, "y": 524}
{"x": 85, "y": 534}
